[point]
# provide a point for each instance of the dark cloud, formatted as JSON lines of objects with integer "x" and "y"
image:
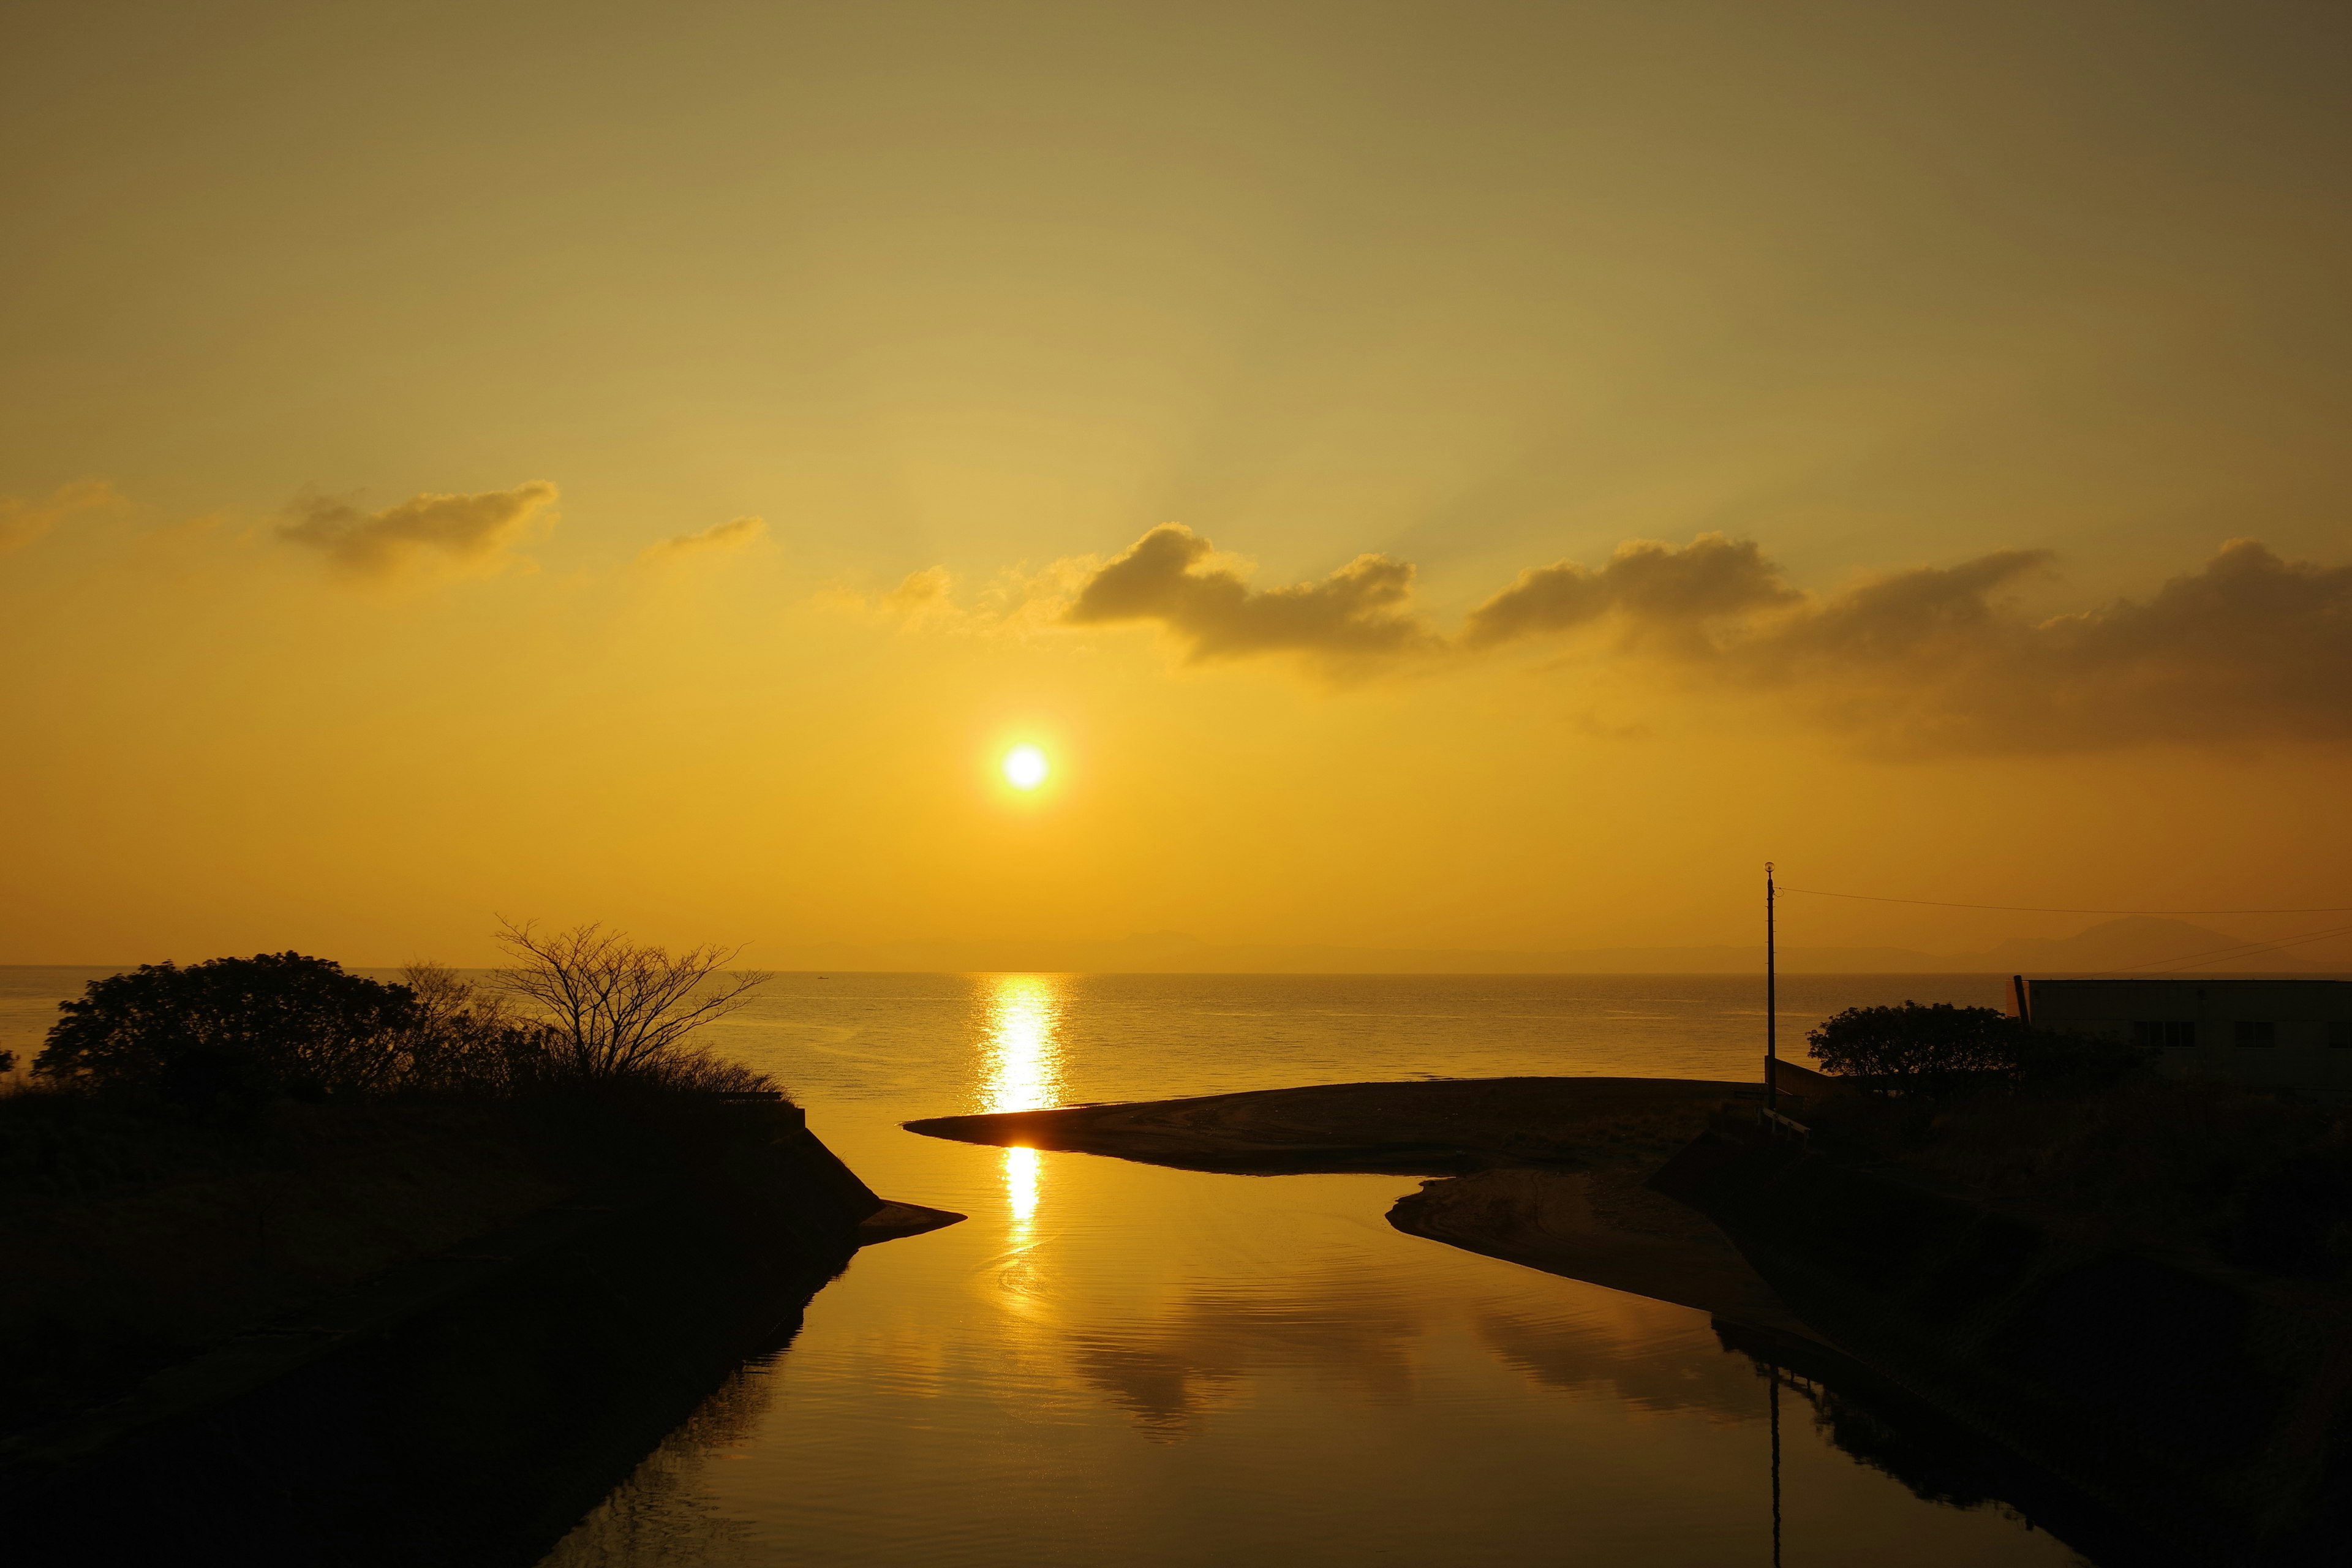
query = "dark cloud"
{"x": 1653, "y": 585}
{"x": 2245, "y": 650}
{"x": 2248, "y": 648}
{"x": 460, "y": 533}
{"x": 1939, "y": 659}
{"x": 1355, "y": 616}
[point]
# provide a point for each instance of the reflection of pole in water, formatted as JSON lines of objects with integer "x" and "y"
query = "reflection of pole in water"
{"x": 1772, "y": 1406}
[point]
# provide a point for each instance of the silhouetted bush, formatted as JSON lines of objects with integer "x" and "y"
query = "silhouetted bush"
{"x": 1937, "y": 1048}
{"x": 1918, "y": 1045}
{"x": 468, "y": 1043}
{"x": 238, "y": 1032}
{"x": 233, "y": 1029}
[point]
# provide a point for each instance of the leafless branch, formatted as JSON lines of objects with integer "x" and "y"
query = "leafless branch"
{"x": 617, "y": 1006}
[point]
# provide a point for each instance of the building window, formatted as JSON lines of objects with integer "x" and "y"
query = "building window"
{"x": 2339, "y": 1034}
{"x": 2252, "y": 1033}
{"x": 2166, "y": 1032}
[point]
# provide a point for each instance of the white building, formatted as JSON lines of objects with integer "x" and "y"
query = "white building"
{"x": 2280, "y": 1034}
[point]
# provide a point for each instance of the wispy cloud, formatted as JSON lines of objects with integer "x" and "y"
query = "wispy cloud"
{"x": 718, "y": 539}
{"x": 1347, "y": 622}
{"x": 450, "y": 533}
{"x": 1016, "y": 603}
{"x": 2246, "y": 648}
{"x": 23, "y": 521}
{"x": 1653, "y": 586}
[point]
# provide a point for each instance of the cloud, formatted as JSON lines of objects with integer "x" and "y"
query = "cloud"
{"x": 732, "y": 535}
{"x": 1655, "y": 587}
{"x": 920, "y": 594}
{"x": 1356, "y": 617}
{"x": 923, "y": 601}
{"x": 1209, "y": 1347}
{"x": 23, "y": 521}
{"x": 465, "y": 533}
{"x": 2248, "y": 647}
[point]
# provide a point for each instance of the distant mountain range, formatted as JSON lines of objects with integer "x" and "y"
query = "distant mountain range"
{"x": 2140, "y": 943}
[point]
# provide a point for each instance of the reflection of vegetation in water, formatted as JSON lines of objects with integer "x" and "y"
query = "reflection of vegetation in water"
{"x": 1931, "y": 1469}
{"x": 661, "y": 1513}
{"x": 1937, "y": 1459}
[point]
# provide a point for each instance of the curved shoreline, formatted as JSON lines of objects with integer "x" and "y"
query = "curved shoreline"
{"x": 1545, "y": 1172}
{"x": 1423, "y": 1126}
{"x": 2047, "y": 1349}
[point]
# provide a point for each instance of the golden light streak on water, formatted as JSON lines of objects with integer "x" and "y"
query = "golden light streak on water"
{"x": 1022, "y": 1070}
{"x": 1021, "y": 1189}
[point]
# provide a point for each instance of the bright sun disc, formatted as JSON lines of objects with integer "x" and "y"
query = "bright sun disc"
{"x": 1025, "y": 767}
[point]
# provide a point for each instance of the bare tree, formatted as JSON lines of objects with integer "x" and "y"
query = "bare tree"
{"x": 617, "y": 1007}
{"x": 467, "y": 1041}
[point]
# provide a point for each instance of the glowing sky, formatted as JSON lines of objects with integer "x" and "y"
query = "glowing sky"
{"x": 1426, "y": 475}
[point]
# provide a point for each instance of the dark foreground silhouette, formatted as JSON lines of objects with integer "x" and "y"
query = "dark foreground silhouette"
{"x": 470, "y": 1406}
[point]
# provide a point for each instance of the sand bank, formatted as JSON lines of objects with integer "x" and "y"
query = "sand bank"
{"x": 1420, "y": 1128}
{"x": 1545, "y": 1171}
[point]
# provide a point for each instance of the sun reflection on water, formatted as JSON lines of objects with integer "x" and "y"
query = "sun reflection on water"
{"x": 1020, "y": 1187}
{"x": 1021, "y": 1069}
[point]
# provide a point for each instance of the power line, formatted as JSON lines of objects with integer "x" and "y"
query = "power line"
{"x": 2047, "y": 910}
{"x": 2236, "y": 949}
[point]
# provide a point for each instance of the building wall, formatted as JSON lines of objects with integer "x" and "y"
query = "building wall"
{"x": 2304, "y": 1052}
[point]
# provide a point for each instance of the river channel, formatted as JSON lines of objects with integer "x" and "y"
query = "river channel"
{"x": 1116, "y": 1363}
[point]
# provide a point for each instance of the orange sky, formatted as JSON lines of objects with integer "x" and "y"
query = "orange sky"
{"x": 646, "y": 465}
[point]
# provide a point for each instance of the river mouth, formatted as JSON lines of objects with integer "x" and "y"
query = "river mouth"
{"x": 1122, "y": 1364}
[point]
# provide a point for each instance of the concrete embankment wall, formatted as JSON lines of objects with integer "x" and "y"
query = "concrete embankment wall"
{"x": 468, "y": 1408}
{"x": 2217, "y": 1408}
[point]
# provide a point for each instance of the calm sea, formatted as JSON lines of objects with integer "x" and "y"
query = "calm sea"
{"x": 1116, "y": 1364}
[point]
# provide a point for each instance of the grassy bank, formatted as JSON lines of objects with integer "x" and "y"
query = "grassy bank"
{"x": 141, "y": 1236}
{"x": 2233, "y": 1178}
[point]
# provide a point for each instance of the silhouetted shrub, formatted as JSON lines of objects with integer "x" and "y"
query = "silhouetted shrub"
{"x": 1937, "y": 1048}
{"x": 236, "y": 1032}
{"x": 233, "y": 1029}
{"x": 1918, "y": 1045}
{"x": 470, "y": 1043}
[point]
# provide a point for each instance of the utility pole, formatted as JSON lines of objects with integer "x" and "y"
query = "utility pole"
{"x": 1771, "y": 1002}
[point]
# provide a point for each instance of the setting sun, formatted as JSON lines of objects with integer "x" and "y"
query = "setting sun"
{"x": 1025, "y": 767}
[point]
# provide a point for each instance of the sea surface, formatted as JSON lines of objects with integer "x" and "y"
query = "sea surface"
{"x": 1111, "y": 1363}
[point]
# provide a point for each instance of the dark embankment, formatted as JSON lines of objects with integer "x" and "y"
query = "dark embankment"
{"x": 1879, "y": 1424}
{"x": 1599, "y": 1226}
{"x": 388, "y": 1334}
{"x": 2211, "y": 1404}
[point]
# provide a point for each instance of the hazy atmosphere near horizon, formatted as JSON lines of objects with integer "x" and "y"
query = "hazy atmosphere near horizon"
{"x": 1478, "y": 476}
